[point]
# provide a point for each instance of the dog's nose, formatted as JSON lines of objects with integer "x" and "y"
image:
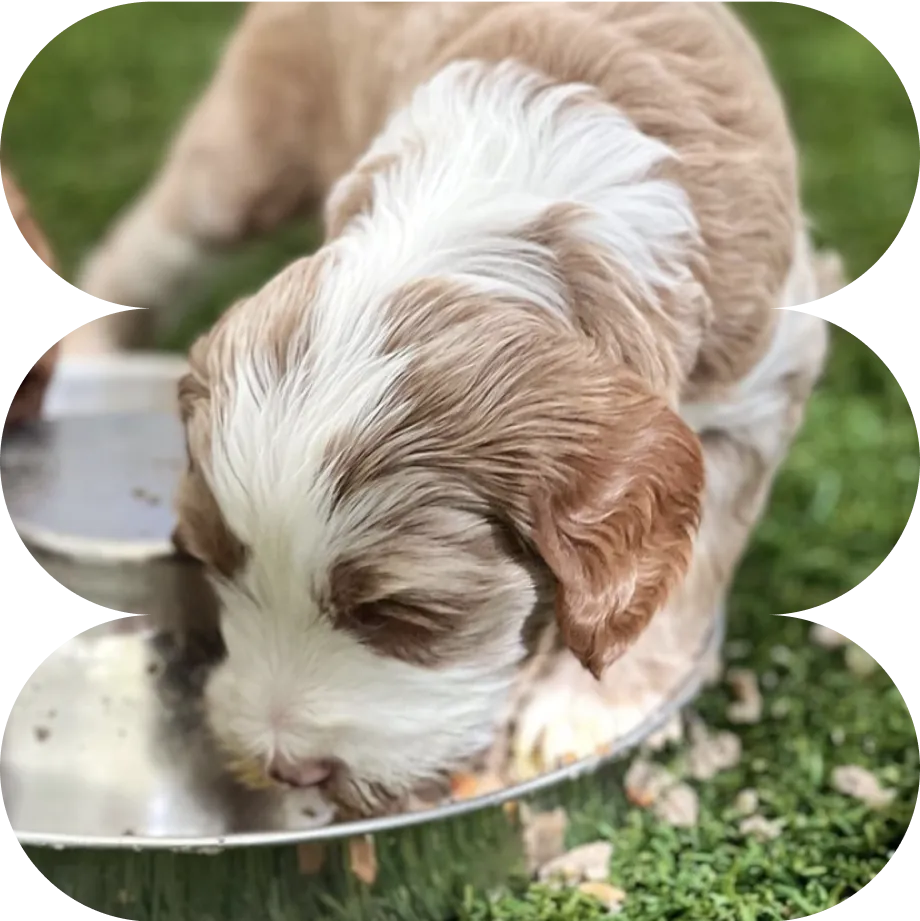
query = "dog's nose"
{"x": 310, "y": 772}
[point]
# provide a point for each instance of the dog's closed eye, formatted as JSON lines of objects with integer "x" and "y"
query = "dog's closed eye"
{"x": 396, "y": 628}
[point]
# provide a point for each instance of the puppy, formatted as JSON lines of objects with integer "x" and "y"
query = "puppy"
{"x": 530, "y": 394}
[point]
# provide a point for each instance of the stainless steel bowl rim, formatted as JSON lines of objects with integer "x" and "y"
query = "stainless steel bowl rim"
{"x": 215, "y": 844}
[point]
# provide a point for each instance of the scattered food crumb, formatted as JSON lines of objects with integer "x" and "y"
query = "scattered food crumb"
{"x": 748, "y": 708}
{"x": 645, "y": 782}
{"x": 747, "y": 802}
{"x": 858, "y": 661}
{"x": 42, "y": 733}
{"x": 543, "y": 835}
{"x": 469, "y": 786}
{"x": 711, "y": 753}
{"x": 671, "y": 732}
{"x": 362, "y": 859}
{"x": 609, "y": 896}
{"x": 756, "y": 826}
{"x": 588, "y": 863}
{"x": 826, "y": 638}
{"x": 310, "y": 858}
{"x": 679, "y": 806}
{"x": 144, "y": 496}
{"x": 855, "y": 781}
{"x": 526, "y": 765}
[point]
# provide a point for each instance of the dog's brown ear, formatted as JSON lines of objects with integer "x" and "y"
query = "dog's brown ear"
{"x": 615, "y": 522}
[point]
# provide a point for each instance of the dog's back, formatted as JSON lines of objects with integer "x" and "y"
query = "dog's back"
{"x": 685, "y": 73}
{"x": 303, "y": 88}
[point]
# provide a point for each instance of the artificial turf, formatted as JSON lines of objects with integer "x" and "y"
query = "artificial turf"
{"x": 88, "y": 124}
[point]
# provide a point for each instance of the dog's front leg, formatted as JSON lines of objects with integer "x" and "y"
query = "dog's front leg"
{"x": 250, "y": 156}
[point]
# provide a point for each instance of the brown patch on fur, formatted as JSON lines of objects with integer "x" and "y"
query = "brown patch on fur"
{"x": 354, "y": 195}
{"x": 596, "y": 474}
{"x": 618, "y": 542}
{"x": 435, "y": 578}
{"x": 660, "y": 342}
{"x": 201, "y": 531}
{"x": 692, "y": 77}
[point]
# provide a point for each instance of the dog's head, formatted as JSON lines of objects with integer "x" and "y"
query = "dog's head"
{"x": 382, "y": 504}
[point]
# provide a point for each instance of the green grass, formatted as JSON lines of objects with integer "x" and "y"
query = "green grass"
{"x": 89, "y": 122}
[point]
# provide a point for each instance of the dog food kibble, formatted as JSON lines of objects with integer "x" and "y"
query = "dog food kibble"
{"x": 855, "y": 781}
{"x": 469, "y": 786}
{"x": 609, "y": 896}
{"x": 646, "y": 781}
{"x": 670, "y": 734}
{"x": 711, "y": 753}
{"x": 748, "y": 707}
{"x": 362, "y": 859}
{"x": 543, "y": 836}
{"x": 527, "y": 765}
{"x": 589, "y": 863}
{"x": 761, "y": 829}
{"x": 42, "y": 733}
{"x": 747, "y": 802}
{"x": 827, "y": 638}
{"x": 678, "y": 806}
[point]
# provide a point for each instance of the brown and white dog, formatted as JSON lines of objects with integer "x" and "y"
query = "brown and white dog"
{"x": 535, "y": 380}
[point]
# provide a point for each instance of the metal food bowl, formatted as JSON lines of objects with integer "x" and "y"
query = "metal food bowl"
{"x": 107, "y": 778}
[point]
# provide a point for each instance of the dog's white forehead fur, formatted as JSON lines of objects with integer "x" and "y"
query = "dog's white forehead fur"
{"x": 480, "y": 152}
